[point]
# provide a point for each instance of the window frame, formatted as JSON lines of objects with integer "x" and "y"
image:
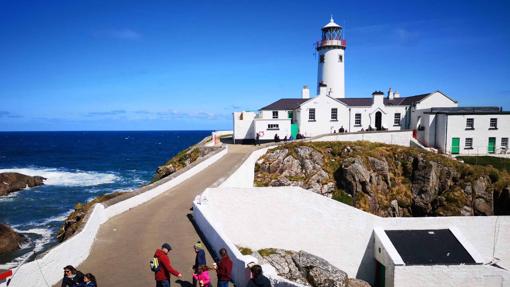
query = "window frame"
{"x": 356, "y": 115}
{"x": 504, "y": 142}
{"x": 396, "y": 122}
{"x": 322, "y": 58}
{"x": 335, "y": 118}
{"x": 495, "y": 127}
{"x": 273, "y": 127}
{"x": 273, "y": 114}
{"x": 470, "y": 145}
{"x": 468, "y": 126}
{"x": 310, "y": 118}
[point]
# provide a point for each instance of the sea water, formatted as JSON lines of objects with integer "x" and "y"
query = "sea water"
{"x": 78, "y": 166}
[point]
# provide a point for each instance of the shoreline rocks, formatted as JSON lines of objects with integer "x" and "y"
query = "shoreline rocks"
{"x": 10, "y": 240}
{"x": 13, "y": 181}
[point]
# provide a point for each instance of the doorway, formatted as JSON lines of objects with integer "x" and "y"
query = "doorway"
{"x": 492, "y": 145}
{"x": 455, "y": 145}
{"x": 378, "y": 121}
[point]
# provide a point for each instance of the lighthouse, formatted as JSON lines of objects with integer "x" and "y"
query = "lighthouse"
{"x": 331, "y": 50}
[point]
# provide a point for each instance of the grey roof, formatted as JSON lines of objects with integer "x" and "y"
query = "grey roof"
{"x": 467, "y": 110}
{"x": 285, "y": 104}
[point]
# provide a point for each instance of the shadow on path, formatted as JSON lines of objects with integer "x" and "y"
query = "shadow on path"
{"x": 214, "y": 253}
{"x": 183, "y": 283}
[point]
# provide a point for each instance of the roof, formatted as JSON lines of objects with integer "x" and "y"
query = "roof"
{"x": 429, "y": 247}
{"x": 285, "y": 104}
{"x": 468, "y": 111}
{"x": 331, "y": 24}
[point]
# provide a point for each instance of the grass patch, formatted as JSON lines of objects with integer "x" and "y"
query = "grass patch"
{"x": 267, "y": 251}
{"x": 342, "y": 196}
{"x": 245, "y": 250}
{"x": 496, "y": 162}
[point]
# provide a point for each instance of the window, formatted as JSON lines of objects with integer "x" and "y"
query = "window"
{"x": 357, "y": 120}
{"x": 469, "y": 143}
{"x": 493, "y": 124}
{"x": 275, "y": 114}
{"x": 470, "y": 124}
{"x": 340, "y": 58}
{"x": 311, "y": 115}
{"x": 321, "y": 58}
{"x": 396, "y": 119}
{"x": 504, "y": 143}
{"x": 334, "y": 114}
{"x": 273, "y": 127}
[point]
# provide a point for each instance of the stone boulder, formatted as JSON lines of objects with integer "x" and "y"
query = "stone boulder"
{"x": 13, "y": 181}
{"x": 10, "y": 240}
{"x": 306, "y": 269}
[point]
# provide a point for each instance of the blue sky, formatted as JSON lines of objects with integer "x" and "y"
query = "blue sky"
{"x": 173, "y": 65}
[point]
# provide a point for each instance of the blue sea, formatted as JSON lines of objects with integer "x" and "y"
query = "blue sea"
{"x": 78, "y": 166}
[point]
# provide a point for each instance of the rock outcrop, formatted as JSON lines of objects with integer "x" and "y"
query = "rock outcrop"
{"x": 13, "y": 181}
{"x": 182, "y": 160}
{"x": 306, "y": 269}
{"x": 10, "y": 240}
{"x": 387, "y": 180}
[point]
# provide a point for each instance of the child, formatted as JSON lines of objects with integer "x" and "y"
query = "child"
{"x": 203, "y": 276}
{"x": 89, "y": 281}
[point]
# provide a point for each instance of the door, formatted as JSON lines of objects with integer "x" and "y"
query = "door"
{"x": 492, "y": 145}
{"x": 455, "y": 145}
{"x": 294, "y": 130}
{"x": 380, "y": 274}
{"x": 378, "y": 121}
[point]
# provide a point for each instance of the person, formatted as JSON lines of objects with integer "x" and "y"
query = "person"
{"x": 224, "y": 269}
{"x": 257, "y": 278}
{"x": 341, "y": 130}
{"x": 202, "y": 276}
{"x": 162, "y": 276}
{"x": 72, "y": 277}
{"x": 89, "y": 280}
{"x": 257, "y": 139}
{"x": 276, "y": 138}
{"x": 199, "y": 258}
{"x": 285, "y": 139}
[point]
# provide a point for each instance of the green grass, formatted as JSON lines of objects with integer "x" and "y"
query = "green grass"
{"x": 496, "y": 162}
{"x": 245, "y": 250}
{"x": 267, "y": 251}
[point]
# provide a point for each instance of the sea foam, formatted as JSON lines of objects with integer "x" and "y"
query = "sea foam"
{"x": 67, "y": 177}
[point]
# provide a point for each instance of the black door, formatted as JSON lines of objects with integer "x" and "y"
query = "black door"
{"x": 378, "y": 121}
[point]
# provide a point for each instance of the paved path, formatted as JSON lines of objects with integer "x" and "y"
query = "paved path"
{"x": 125, "y": 244}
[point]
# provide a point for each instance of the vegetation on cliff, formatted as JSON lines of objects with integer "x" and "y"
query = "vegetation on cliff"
{"x": 75, "y": 219}
{"x": 387, "y": 180}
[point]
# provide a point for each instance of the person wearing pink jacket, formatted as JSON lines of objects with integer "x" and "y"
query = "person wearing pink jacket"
{"x": 202, "y": 276}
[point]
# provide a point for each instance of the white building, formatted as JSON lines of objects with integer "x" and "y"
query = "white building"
{"x": 331, "y": 112}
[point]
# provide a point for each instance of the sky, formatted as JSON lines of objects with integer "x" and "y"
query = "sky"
{"x": 187, "y": 65}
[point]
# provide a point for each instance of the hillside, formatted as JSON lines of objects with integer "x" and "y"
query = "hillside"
{"x": 387, "y": 180}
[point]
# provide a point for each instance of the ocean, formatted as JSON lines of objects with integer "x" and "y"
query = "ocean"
{"x": 78, "y": 166}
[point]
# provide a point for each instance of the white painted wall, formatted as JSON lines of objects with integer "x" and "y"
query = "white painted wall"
{"x": 47, "y": 270}
{"x": 456, "y": 127}
{"x": 323, "y": 123}
{"x": 243, "y": 125}
{"x": 402, "y": 138}
{"x": 331, "y": 72}
{"x": 261, "y": 127}
{"x": 434, "y": 100}
{"x": 244, "y": 175}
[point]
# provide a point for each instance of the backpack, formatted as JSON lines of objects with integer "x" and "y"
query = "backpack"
{"x": 154, "y": 264}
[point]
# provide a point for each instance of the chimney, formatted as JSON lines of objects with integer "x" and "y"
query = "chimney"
{"x": 305, "y": 92}
{"x": 396, "y": 95}
{"x": 323, "y": 88}
{"x": 390, "y": 94}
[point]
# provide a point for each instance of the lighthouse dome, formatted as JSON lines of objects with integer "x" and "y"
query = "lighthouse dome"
{"x": 331, "y": 24}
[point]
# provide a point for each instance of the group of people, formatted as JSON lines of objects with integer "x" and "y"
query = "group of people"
{"x": 201, "y": 276}
{"x": 73, "y": 278}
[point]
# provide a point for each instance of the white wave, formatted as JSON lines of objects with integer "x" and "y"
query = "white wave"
{"x": 67, "y": 178}
{"x": 10, "y": 197}
{"x": 36, "y": 245}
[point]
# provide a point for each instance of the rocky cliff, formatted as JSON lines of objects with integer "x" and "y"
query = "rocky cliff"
{"x": 306, "y": 269}
{"x": 10, "y": 240}
{"x": 13, "y": 181}
{"x": 387, "y": 180}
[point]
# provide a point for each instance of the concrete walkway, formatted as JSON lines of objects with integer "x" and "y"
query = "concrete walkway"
{"x": 125, "y": 244}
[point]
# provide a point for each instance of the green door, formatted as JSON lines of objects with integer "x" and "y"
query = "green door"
{"x": 492, "y": 145}
{"x": 294, "y": 129}
{"x": 380, "y": 275}
{"x": 455, "y": 145}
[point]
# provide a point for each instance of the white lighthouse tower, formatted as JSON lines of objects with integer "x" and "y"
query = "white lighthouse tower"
{"x": 331, "y": 49}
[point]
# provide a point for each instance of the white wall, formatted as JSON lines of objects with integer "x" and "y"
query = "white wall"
{"x": 434, "y": 100}
{"x": 243, "y": 125}
{"x": 47, "y": 270}
{"x": 456, "y": 127}
{"x": 323, "y": 123}
{"x": 402, "y": 138}
{"x": 244, "y": 175}
{"x": 451, "y": 276}
{"x": 331, "y": 72}
{"x": 261, "y": 127}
